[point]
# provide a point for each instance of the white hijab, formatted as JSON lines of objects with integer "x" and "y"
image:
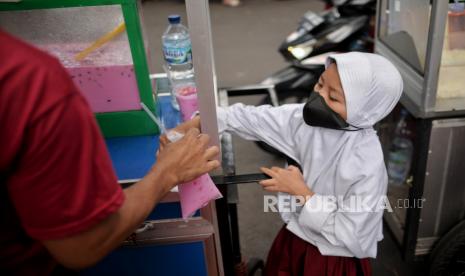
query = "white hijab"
{"x": 372, "y": 87}
{"x": 371, "y": 84}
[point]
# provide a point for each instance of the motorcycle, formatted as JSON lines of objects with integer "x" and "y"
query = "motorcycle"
{"x": 344, "y": 26}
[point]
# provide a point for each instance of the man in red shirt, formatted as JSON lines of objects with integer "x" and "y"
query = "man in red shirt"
{"x": 60, "y": 200}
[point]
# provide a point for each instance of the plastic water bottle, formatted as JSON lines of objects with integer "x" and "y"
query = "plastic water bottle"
{"x": 400, "y": 153}
{"x": 177, "y": 51}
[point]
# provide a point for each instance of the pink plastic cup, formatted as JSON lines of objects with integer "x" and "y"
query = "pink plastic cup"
{"x": 186, "y": 95}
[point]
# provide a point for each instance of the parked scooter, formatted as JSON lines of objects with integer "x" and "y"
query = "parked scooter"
{"x": 343, "y": 27}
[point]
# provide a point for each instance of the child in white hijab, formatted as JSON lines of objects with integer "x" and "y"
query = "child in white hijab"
{"x": 333, "y": 140}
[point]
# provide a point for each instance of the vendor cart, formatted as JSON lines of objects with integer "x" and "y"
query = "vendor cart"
{"x": 114, "y": 78}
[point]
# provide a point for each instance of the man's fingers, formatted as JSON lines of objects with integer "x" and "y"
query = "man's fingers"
{"x": 211, "y": 152}
{"x": 276, "y": 169}
{"x": 162, "y": 147}
{"x": 203, "y": 139}
{"x": 209, "y": 166}
{"x": 212, "y": 165}
{"x": 192, "y": 133}
{"x": 163, "y": 141}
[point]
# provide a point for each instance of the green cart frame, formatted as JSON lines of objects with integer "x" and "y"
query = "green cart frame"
{"x": 124, "y": 123}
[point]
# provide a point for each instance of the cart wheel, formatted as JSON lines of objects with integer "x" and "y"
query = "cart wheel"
{"x": 448, "y": 256}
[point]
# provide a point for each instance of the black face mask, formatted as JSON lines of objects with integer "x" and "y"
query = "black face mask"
{"x": 317, "y": 113}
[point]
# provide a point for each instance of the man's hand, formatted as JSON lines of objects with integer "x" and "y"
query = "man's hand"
{"x": 182, "y": 128}
{"x": 187, "y": 158}
{"x": 288, "y": 180}
{"x": 179, "y": 162}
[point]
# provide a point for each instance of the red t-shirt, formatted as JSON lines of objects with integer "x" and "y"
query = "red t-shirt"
{"x": 56, "y": 177}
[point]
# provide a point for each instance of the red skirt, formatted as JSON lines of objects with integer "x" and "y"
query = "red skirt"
{"x": 290, "y": 255}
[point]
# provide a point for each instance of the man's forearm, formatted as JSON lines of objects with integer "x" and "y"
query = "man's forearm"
{"x": 90, "y": 246}
{"x": 141, "y": 199}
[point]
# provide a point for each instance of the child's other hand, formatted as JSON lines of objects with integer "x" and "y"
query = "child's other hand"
{"x": 288, "y": 180}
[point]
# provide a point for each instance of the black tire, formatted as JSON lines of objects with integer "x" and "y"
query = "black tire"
{"x": 448, "y": 256}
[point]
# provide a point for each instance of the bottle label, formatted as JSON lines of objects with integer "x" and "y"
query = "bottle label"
{"x": 177, "y": 55}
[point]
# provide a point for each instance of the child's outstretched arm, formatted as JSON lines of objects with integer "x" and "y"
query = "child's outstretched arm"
{"x": 276, "y": 126}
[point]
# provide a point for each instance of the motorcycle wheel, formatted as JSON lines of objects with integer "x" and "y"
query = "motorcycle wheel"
{"x": 448, "y": 256}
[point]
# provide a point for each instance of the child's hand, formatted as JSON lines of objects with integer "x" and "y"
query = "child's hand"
{"x": 288, "y": 180}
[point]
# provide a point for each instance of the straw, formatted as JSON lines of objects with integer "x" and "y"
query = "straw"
{"x": 172, "y": 135}
{"x": 101, "y": 41}
{"x": 154, "y": 118}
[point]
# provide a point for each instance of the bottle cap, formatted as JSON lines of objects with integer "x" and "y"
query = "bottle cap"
{"x": 174, "y": 19}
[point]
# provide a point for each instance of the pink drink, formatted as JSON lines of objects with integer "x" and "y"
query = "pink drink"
{"x": 106, "y": 77}
{"x": 107, "y": 88}
{"x": 197, "y": 194}
{"x": 186, "y": 95}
